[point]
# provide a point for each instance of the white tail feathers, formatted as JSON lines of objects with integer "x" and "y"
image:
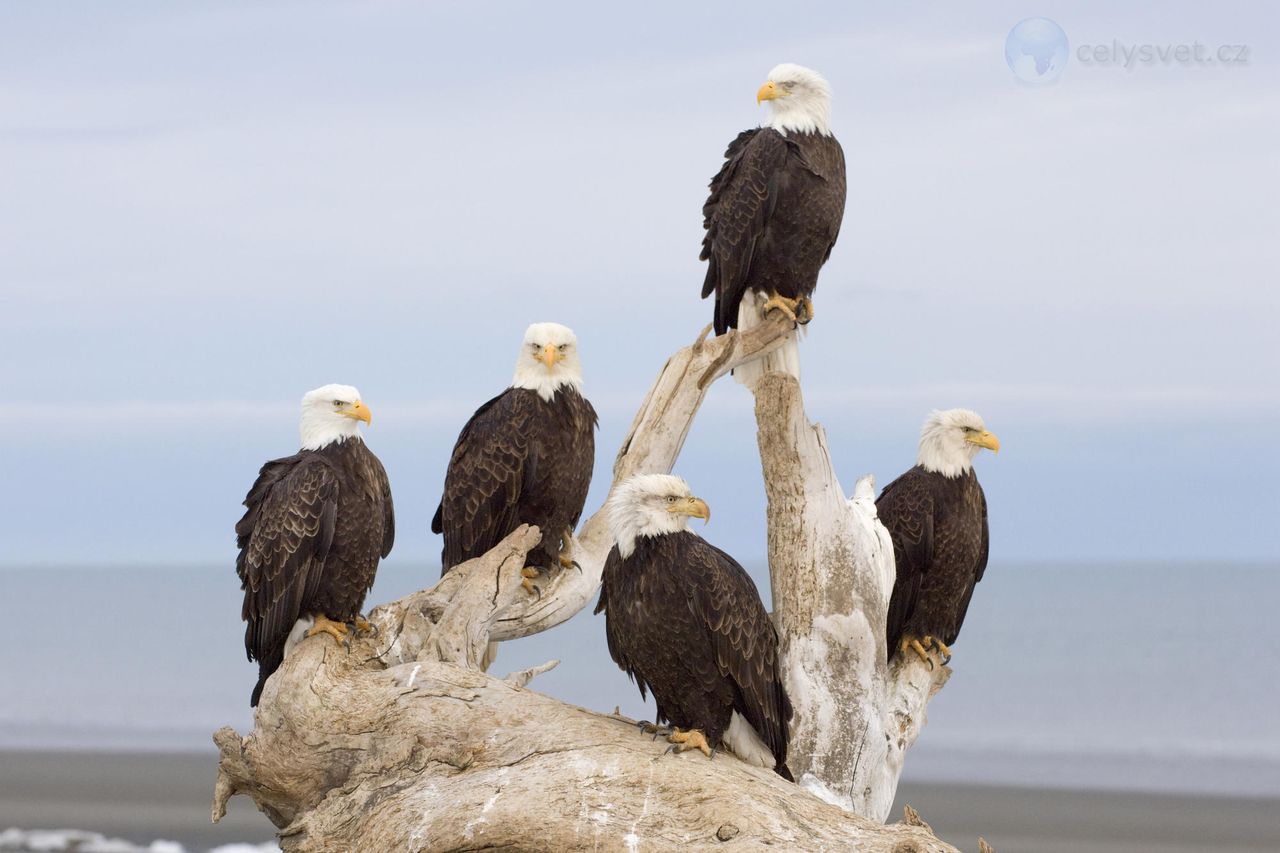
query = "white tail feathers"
{"x": 297, "y": 634}
{"x": 744, "y": 742}
{"x": 785, "y": 359}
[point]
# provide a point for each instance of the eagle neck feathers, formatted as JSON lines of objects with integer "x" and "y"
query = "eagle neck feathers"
{"x": 630, "y": 525}
{"x": 546, "y": 384}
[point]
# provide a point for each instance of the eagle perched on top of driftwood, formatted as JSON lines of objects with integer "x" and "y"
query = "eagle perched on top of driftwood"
{"x": 315, "y": 525}
{"x": 684, "y": 620}
{"x": 774, "y": 212}
{"x": 525, "y": 457}
{"x": 936, "y": 514}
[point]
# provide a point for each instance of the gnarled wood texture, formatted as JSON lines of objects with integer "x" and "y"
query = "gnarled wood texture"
{"x": 402, "y": 742}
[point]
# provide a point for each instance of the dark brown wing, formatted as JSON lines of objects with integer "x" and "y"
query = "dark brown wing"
{"x": 979, "y": 570}
{"x": 905, "y": 508}
{"x": 486, "y": 475}
{"x": 618, "y": 644}
{"x": 735, "y": 215}
{"x": 388, "y": 510}
{"x": 284, "y": 539}
{"x": 745, "y": 642}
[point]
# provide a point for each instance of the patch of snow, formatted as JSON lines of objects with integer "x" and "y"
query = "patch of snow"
{"x": 818, "y": 788}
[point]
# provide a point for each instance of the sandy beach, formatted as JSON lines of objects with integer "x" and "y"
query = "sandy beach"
{"x": 138, "y": 796}
{"x": 1038, "y": 820}
{"x": 142, "y": 797}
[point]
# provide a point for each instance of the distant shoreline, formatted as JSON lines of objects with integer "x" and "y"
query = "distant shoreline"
{"x": 144, "y": 796}
{"x": 1175, "y": 770}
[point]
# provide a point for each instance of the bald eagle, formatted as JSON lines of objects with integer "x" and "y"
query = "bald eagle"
{"x": 774, "y": 212}
{"x": 936, "y": 515}
{"x": 684, "y": 620}
{"x": 525, "y": 457}
{"x": 315, "y": 525}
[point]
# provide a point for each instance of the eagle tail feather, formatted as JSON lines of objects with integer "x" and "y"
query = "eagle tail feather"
{"x": 266, "y": 667}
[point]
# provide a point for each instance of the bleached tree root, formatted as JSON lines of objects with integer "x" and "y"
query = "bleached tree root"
{"x": 436, "y": 756}
{"x": 831, "y": 562}
{"x": 401, "y": 742}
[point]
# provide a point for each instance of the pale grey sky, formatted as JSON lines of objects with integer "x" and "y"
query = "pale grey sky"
{"x": 209, "y": 209}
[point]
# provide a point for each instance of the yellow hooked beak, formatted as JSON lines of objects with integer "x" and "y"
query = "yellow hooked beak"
{"x": 358, "y": 411}
{"x": 984, "y": 439}
{"x": 550, "y": 355}
{"x": 695, "y": 507}
{"x": 769, "y": 92}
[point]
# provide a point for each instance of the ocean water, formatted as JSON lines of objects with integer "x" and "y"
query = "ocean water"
{"x": 1138, "y": 676}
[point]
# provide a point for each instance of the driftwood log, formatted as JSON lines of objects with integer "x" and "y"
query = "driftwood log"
{"x": 831, "y": 564}
{"x": 402, "y": 742}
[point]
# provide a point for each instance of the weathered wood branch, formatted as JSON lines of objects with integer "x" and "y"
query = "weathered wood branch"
{"x": 430, "y": 755}
{"x": 831, "y": 564}
{"x": 401, "y": 742}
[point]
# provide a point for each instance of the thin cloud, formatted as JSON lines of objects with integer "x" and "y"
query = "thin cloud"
{"x": 1077, "y": 404}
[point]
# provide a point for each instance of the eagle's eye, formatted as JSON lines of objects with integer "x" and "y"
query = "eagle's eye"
{"x": 337, "y": 404}
{"x": 564, "y": 347}
{"x": 671, "y": 499}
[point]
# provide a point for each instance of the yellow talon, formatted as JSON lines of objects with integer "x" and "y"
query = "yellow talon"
{"x": 934, "y": 642}
{"x": 529, "y": 573}
{"x": 325, "y": 625}
{"x": 566, "y": 553}
{"x": 913, "y": 644}
{"x": 692, "y": 739}
{"x": 804, "y": 310}
{"x": 783, "y": 304}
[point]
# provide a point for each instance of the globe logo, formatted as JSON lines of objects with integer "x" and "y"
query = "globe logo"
{"x": 1036, "y": 51}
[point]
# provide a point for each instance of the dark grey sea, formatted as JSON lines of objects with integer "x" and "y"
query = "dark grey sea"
{"x": 1139, "y": 676}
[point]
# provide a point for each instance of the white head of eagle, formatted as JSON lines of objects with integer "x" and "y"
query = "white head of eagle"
{"x": 799, "y": 100}
{"x": 950, "y": 439}
{"x": 548, "y": 360}
{"x": 651, "y": 505}
{"x": 331, "y": 413}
